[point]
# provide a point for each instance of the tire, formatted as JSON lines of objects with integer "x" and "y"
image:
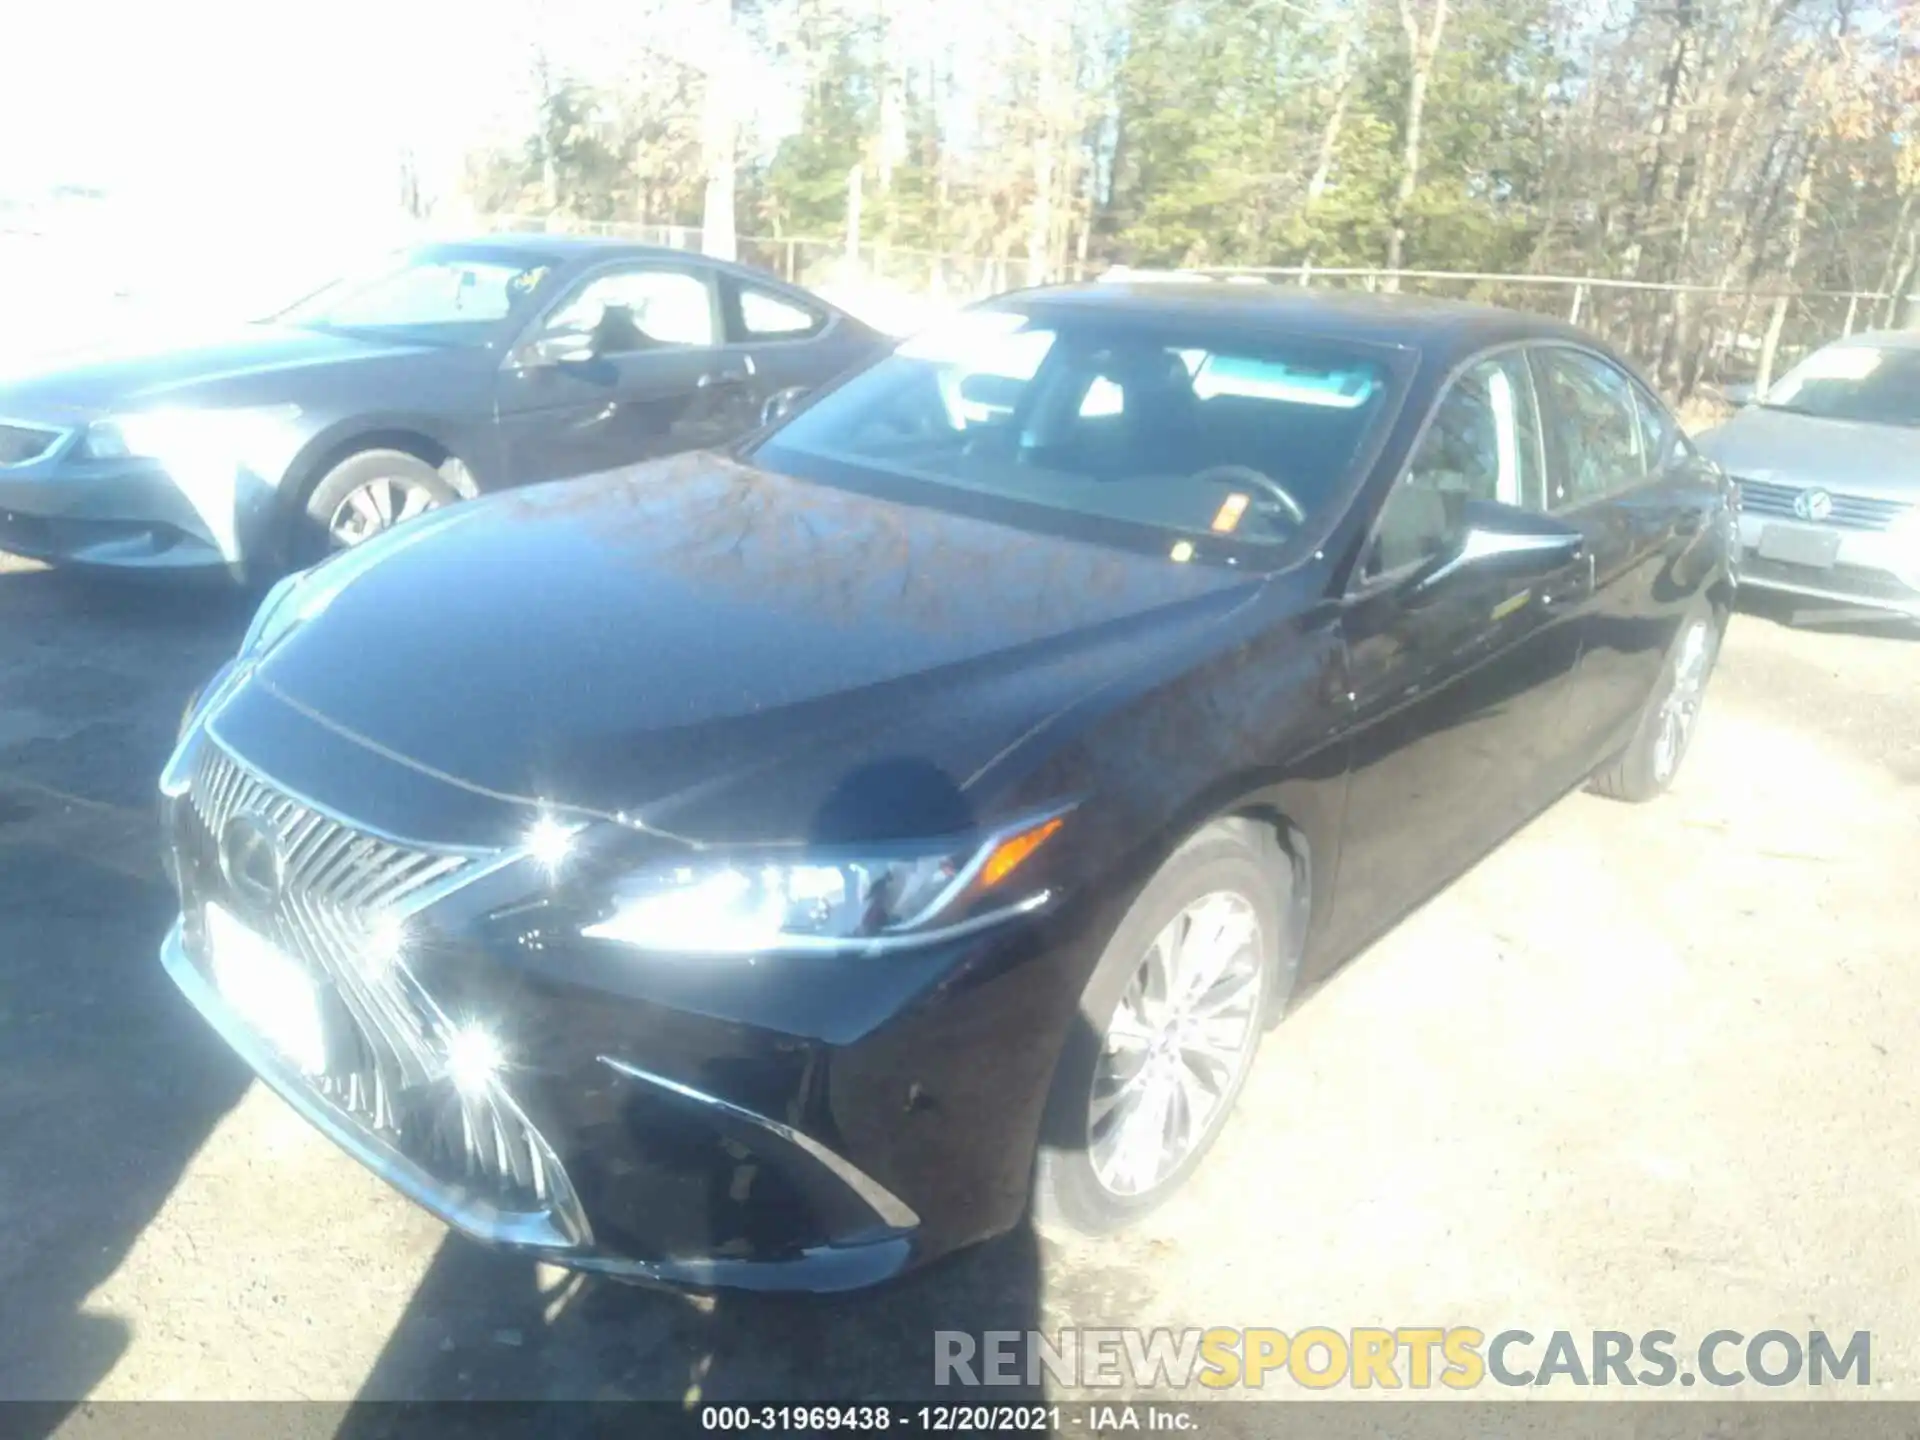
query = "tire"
{"x": 1646, "y": 768}
{"x": 1074, "y": 1188}
{"x": 317, "y": 529}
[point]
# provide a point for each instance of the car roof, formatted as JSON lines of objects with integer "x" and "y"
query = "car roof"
{"x": 539, "y": 242}
{"x": 571, "y": 252}
{"x": 1451, "y": 327}
{"x": 1881, "y": 340}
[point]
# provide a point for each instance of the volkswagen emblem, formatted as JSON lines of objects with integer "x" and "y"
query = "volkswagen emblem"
{"x": 1814, "y": 504}
{"x": 251, "y": 859}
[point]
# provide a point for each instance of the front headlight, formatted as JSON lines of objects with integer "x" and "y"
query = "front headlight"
{"x": 173, "y": 436}
{"x": 753, "y": 905}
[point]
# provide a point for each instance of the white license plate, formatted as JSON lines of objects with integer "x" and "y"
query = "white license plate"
{"x": 267, "y": 989}
{"x": 1795, "y": 546}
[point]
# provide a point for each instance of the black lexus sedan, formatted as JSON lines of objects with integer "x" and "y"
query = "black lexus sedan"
{"x": 780, "y": 866}
{"x": 443, "y": 372}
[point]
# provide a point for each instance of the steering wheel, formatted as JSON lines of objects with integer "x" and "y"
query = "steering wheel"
{"x": 1247, "y": 475}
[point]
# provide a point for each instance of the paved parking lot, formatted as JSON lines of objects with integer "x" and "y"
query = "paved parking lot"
{"x": 1647, "y": 1067}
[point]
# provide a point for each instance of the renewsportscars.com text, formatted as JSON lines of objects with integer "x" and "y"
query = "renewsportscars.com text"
{"x": 1407, "y": 1357}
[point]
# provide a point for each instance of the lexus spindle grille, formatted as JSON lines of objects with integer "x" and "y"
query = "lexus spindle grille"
{"x": 336, "y": 911}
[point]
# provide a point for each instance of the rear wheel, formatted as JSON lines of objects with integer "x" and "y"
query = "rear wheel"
{"x": 1166, "y": 1032}
{"x": 1652, "y": 758}
{"x": 366, "y": 495}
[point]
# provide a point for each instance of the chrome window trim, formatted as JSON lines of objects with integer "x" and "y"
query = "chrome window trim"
{"x": 1360, "y": 586}
{"x": 1649, "y": 474}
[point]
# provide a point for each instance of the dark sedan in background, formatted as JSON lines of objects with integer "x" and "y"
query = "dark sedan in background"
{"x": 773, "y": 868}
{"x": 450, "y": 370}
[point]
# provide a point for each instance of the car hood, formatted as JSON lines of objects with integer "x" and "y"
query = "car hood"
{"x": 1850, "y": 456}
{"x": 714, "y": 649}
{"x": 151, "y": 376}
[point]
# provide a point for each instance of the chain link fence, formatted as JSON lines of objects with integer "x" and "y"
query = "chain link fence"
{"x": 1697, "y": 340}
{"x": 1692, "y": 336}
{"x": 811, "y": 260}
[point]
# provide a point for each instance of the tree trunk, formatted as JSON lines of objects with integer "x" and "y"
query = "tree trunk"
{"x": 1421, "y": 50}
{"x": 1796, "y": 231}
{"x": 1669, "y": 126}
{"x": 719, "y": 136}
{"x": 549, "y": 170}
{"x": 1904, "y": 308}
{"x": 1040, "y": 216}
{"x": 1337, "y": 112}
{"x": 1897, "y": 274}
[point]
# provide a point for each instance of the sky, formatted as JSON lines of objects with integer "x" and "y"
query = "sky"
{"x": 249, "y": 149}
{"x": 221, "y": 103}
{"x": 228, "y": 104}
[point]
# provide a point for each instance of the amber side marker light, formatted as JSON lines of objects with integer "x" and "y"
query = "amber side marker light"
{"x": 1013, "y": 851}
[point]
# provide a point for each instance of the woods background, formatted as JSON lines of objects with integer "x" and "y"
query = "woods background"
{"x": 1745, "y": 155}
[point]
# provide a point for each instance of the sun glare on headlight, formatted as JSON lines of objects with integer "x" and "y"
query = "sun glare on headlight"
{"x": 550, "y": 843}
{"x": 474, "y": 1058}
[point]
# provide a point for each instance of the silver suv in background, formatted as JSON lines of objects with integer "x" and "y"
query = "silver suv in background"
{"x": 1828, "y": 466}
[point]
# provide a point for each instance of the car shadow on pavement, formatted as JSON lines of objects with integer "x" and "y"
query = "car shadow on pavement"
{"x": 1826, "y": 617}
{"x": 486, "y": 1326}
{"x": 108, "y": 1083}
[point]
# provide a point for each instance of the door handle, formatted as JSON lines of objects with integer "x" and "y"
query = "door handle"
{"x": 1576, "y": 582}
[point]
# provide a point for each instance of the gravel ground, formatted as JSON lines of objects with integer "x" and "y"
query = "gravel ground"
{"x": 1646, "y": 1067}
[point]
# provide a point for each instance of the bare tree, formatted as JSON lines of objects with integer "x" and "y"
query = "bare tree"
{"x": 1423, "y": 46}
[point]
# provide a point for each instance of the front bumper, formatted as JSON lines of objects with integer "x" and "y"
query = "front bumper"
{"x": 1876, "y": 569}
{"x": 816, "y": 1125}
{"x": 125, "y": 514}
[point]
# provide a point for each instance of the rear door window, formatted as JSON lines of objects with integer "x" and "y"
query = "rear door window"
{"x": 759, "y": 313}
{"x": 1596, "y": 446}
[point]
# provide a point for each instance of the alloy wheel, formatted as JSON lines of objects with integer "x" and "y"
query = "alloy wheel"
{"x": 1179, "y": 1043}
{"x": 378, "y": 505}
{"x": 1680, "y": 707}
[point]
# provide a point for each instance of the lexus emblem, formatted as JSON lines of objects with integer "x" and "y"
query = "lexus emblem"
{"x": 1814, "y": 504}
{"x": 251, "y": 859}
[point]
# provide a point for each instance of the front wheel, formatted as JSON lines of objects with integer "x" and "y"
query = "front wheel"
{"x": 365, "y": 495}
{"x": 1652, "y": 758}
{"x": 1165, "y": 1033}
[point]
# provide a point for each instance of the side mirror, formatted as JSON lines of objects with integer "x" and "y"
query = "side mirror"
{"x": 1503, "y": 540}
{"x": 782, "y": 403}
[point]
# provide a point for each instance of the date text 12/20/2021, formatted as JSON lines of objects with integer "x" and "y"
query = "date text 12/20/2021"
{"x": 948, "y": 1419}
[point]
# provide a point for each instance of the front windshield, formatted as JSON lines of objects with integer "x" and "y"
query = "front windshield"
{"x": 1853, "y": 382}
{"x": 427, "y": 294}
{"x": 1197, "y": 431}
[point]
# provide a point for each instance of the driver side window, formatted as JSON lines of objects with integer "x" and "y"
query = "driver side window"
{"x": 1483, "y": 443}
{"x": 640, "y": 309}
